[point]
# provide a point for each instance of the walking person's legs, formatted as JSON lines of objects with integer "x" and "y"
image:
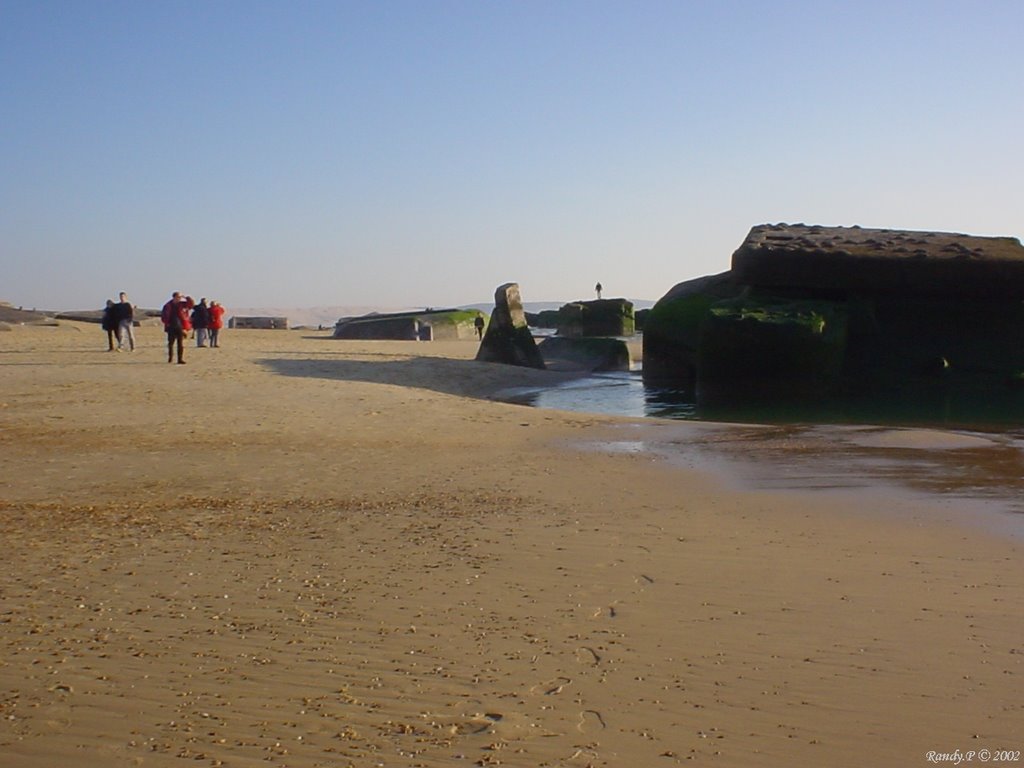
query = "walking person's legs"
{"x": 128, "y": 332}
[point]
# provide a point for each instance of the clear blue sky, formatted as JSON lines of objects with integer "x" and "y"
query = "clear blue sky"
{"x": 422, "y": 152}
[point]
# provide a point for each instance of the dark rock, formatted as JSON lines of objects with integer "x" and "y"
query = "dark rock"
{"x": 810, "y": 310}
{"x": 143, "y": 317}
{"x": 585, "y": 354}
{"x": 259, "y": 322}
{"x": 82, "y": 316}
{"x": 604, "y": 317}
{"x": 9, "y": 314}
{"x": 547, "y": 318}
{"x": 384, "y": 328}
{"x": 852, "y": 260}
{"x": 894, "y": 339}
{"x": 673, "y": 327}
{"x": 760, "y": 349}
{"x": 508, "y": 339}
{"x": 428, "y": 325}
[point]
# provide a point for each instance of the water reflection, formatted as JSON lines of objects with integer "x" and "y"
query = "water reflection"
{"x": 961, "y": 445}
{"x": 625, "y": 394}
{"x": 619, "y": 393}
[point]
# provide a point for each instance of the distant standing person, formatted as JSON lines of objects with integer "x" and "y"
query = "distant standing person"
{"x": 110, "y": 325}
{"x": 216, "y": 322}
{"x": 201, "y": 322}
{"x": 125, "y": 323}
{"x": 479, "y": 325}
{"x": 598, "y": 288}
{"x": 176, "y": 323}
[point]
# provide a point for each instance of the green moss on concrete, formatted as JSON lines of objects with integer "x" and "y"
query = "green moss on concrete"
{"x": 800, "y": 345}
{"x": 811, "y": 316}
{"x": 673, "y": 327}
{"x": 604, "y": 317}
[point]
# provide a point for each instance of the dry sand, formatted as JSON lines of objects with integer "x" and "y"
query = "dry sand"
{"x": 299, "y": 552}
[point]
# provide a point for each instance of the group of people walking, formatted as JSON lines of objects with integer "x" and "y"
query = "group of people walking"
{"x": 180, "y": 316}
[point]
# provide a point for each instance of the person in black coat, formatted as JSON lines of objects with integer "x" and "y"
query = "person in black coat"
{"x": 201, "y": 322}
{"x": 125, "y": 323}
{"x": 110, "y": 324}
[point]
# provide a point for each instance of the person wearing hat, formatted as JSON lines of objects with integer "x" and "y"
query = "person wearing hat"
{"x": 176, "y": 324}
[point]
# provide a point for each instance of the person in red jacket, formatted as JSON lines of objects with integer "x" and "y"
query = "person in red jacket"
{"x": 216, "y": 323}
{"x": 176, "y": 324}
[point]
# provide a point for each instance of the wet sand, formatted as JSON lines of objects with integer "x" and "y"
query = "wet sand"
{"x": 970, "y": 479}
{"x": 294, "y": 551}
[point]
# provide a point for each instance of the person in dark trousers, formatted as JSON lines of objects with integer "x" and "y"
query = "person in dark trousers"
{"x": 109, "y": 324}
{"x": 201, "y": 322}
{"x": 176, "y": 324}
{"x": 125, "y": 323}
{"x": 478, "y": 323}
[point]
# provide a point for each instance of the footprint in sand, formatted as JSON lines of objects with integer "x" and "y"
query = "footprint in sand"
{"x": 590, "y": 720}
{"x": 587, "y": 655}
{"x": 551, "y": 687}
{"x": 477, "y": 723}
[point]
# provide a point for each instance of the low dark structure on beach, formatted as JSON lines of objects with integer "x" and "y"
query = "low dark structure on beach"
{"x": 507, "y": 338}
{"x": 428, "y": 325}
{"x": 149, "y": 317}
{"x": 263, "y": 323}
{"x": 811, "y": 310}
{"x": 550, "y": 318}
{"x": 546, "y": 318}
{"x": 598, "y": 353}
{"x": 10, "y": 315}
{"x": 603, "y": 317}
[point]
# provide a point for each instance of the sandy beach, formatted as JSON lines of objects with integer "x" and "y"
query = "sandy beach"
{"x": 294, "y": 551}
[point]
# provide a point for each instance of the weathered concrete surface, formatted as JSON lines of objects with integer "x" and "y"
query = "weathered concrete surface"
{"x": 16, "y": 316}
{"x": 673, "y": 327}
{"x": 427, "y": 325}
{"x": 585, "y": 354}
{"x": 604, "y": 317}
{"x": 508, "y": 339}
{"x": 852, "y": 260}
{"x": 771, "y": 348}
{"x": 809, "y": 309}
{"x": 384, "y": 328}
{"x": 262, "y": 323}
